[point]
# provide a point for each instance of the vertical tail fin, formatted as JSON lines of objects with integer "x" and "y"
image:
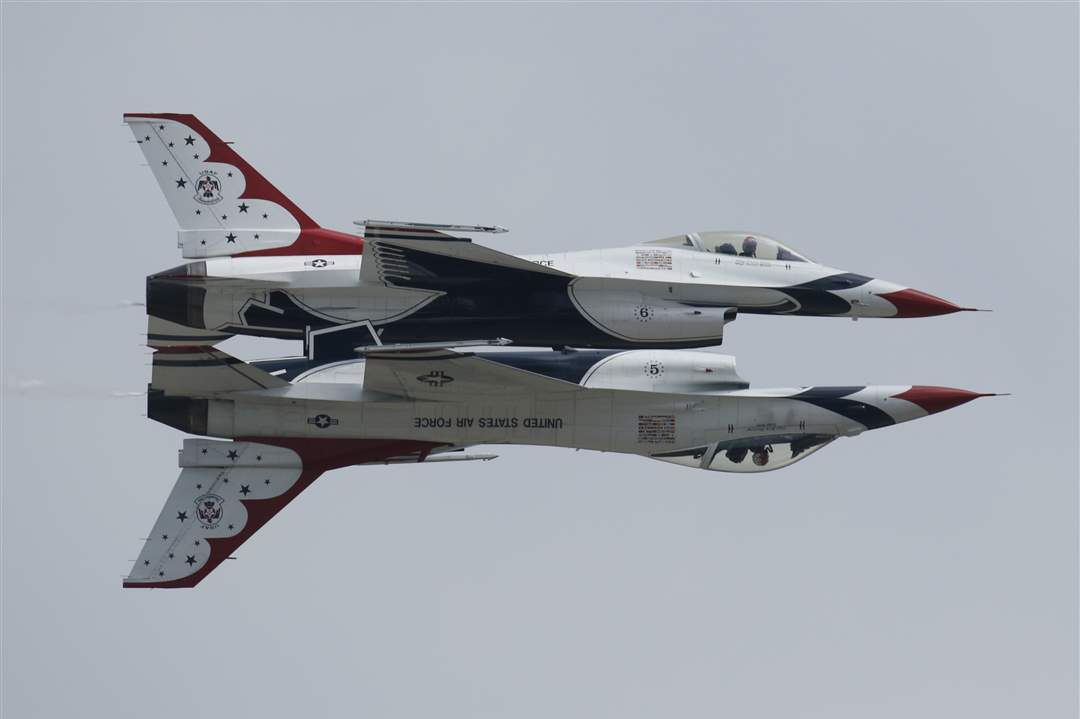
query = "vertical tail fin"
{"x": 222, "y": 204}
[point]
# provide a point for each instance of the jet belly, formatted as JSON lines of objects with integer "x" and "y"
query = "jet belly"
{"x": 512, "y": 420}
{"x": 604, "y": 420}
{"x": 627, "y": 422}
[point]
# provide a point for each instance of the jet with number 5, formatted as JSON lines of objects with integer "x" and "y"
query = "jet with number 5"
{"x": 282, "y": 423}
{"x": 259, "y": 265}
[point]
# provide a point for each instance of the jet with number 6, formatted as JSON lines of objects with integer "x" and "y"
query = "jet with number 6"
{"x": 259, "y": 265}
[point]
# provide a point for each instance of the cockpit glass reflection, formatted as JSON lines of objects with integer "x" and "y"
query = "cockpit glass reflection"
{"x": 738, "y": 244}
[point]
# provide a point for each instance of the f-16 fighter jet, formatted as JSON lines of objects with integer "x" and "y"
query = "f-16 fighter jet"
{"x": 283, "y": 423}
{"x": 263, "y": 267}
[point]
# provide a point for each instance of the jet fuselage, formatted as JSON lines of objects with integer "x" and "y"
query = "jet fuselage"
{"x": 614, "y": 298}
{"x": 685, "y": 407}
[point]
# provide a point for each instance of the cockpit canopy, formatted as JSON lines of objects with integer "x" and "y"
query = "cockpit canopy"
{"x": 744, "y": 244}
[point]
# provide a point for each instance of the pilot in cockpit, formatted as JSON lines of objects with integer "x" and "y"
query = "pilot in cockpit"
{"x": 749, "y": 247}
{"x": 726, "y": 249}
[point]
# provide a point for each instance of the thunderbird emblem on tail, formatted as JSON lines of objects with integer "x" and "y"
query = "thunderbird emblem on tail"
{"x": 208, "y": 510}
{"x": 208, "y": 188}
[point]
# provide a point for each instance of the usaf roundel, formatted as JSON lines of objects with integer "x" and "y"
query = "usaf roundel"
{"x": 208, "y": 510}
{"x": 208, "y": 188}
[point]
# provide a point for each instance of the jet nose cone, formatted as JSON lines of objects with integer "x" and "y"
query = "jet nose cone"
{"x": 913, "y": 303}
{"x": 939, "y": 399}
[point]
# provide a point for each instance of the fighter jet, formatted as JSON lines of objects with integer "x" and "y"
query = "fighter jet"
{"x": 280, "y": 424}
{"x": 261, "y": 266}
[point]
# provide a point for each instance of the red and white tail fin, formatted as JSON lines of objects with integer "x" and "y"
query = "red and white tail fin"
{"x": 227, "y": 491}
{"x": 222, "y": 204}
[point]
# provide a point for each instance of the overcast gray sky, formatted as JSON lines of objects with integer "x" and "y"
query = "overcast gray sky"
{"x": 923, "y": 570}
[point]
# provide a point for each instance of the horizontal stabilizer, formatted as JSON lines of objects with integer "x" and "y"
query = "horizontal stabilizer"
{"x": 205, "y": 371}
{"x": 243, "y": 283}
{"x": 163, "y": 333}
